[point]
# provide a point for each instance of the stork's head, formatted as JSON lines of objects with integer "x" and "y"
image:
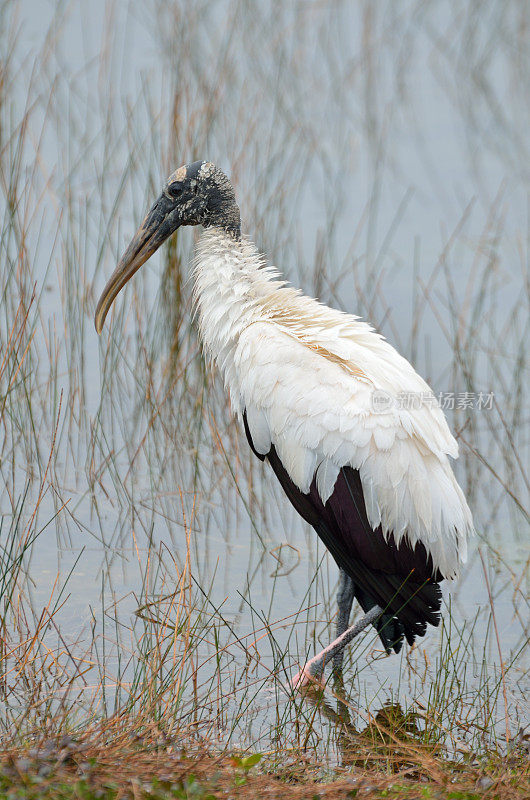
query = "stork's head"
{"x": 196, "y": 194}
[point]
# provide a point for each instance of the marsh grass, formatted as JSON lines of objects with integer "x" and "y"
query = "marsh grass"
{"x": 150, "y": 571}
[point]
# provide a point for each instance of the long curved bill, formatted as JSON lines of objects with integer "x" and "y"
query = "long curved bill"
{"x": 160, "y": 222}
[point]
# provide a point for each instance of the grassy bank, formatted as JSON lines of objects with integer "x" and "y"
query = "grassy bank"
{"x": 115, "y": 761}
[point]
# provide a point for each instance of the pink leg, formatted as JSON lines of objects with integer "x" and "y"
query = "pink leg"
{"x": 314, "y": 668}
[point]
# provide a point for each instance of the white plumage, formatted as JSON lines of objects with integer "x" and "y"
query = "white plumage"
{"x": 306, "y": 375}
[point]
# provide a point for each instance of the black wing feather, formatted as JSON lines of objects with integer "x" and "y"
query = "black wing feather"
{"x": 401, "y": 579}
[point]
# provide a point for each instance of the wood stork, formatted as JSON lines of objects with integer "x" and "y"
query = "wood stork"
{"x": 318, "y": 391}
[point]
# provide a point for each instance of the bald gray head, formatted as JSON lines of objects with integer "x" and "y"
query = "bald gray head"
{"x": 204, "y": 196}
{"x": 195, "y": 194}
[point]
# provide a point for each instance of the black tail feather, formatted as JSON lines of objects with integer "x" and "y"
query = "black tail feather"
{"x": 400, "y": 578}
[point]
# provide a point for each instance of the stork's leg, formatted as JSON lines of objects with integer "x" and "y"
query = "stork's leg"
{"x": 344, "y": 602}
{"x": 315, "y": 666}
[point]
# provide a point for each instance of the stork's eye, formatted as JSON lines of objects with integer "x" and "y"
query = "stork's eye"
{"x": 174, "y": 189}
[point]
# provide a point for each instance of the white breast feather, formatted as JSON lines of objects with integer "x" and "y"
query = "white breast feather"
{"x": 305, "y": 375}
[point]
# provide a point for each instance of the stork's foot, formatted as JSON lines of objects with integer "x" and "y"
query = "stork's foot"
{"x": 312, "y": 672}
{"x": 303, "y": 679}
{"x": 314, "y": 668}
